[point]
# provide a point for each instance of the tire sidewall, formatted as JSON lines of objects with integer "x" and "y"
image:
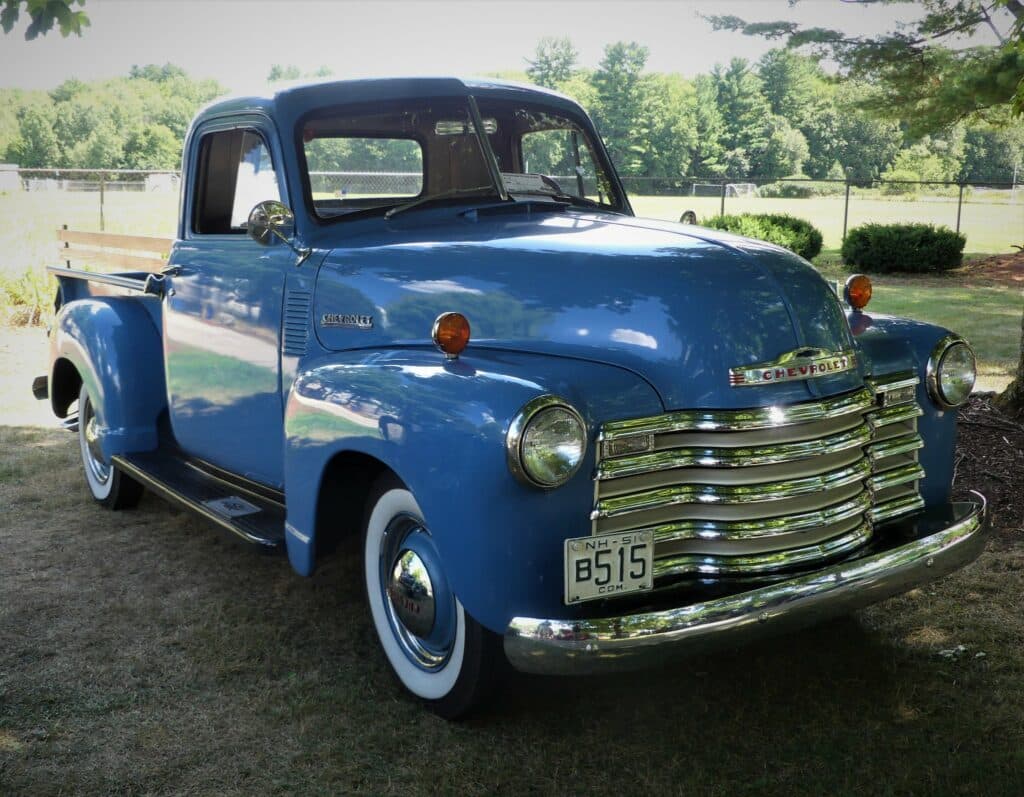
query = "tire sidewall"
{"x": 101, "y": 490}
{"x": 427, "y": 685}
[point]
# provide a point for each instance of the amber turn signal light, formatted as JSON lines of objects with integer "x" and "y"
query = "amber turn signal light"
{"x": 451, "y": 334}
{"x": 857, "y": 291}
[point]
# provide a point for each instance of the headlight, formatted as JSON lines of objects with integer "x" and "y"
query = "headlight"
{"x": 546, "y": 442}
{"x": 951, "y": 372}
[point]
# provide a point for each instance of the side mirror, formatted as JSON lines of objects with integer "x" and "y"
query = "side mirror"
{"x": 269, "y": 220}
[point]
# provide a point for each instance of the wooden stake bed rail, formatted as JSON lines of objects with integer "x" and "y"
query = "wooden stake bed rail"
{"x": 113, "y": 251}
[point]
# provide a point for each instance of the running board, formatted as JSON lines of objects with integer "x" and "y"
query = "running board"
{"x": 255, "y": 518}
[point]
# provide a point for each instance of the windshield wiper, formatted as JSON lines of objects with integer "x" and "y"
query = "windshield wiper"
{"x": 426, "y": 200}
{"x": 570, "y": 199}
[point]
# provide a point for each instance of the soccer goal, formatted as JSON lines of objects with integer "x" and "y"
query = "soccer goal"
{"x": 740, "y": 189}
{"x": 731, "y": 189}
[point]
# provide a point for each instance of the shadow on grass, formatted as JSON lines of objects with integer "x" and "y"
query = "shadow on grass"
{"x": 145, "y": 652}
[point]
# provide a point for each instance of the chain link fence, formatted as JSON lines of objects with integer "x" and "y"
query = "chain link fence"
{"x": 38, "y": 201}
{"x": 990, "y": 215}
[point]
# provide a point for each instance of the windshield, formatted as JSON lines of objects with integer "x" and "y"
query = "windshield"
{"x": 418, "y": 152}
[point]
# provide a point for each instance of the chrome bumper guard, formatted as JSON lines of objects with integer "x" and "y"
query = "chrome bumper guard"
{"x": 941, "y": 540}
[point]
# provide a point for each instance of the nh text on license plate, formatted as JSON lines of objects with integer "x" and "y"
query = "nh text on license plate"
{"x": 608, "y": 564}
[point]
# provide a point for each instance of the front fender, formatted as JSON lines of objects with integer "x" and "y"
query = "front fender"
{"x": 114, "y": 345}
{"x": 891, "y": 344}
{"x": 440, "y": 426}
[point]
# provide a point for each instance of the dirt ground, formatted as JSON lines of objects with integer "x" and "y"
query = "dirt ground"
{"x": 145, "y": 653}
{"x": 1006, "y": 269}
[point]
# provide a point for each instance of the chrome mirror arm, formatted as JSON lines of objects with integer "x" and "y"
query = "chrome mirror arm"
{"x": 272, "y": 219}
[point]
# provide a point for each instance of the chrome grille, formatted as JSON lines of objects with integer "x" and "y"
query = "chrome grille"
{"x": 894, "y": 449}
{"x": 753, "y": 492}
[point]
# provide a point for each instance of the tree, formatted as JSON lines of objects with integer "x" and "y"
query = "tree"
{"x": 791, "y": 83}
{"x": 785, "y": 151}
{"x": 918, "y": 78}
{"x": 993, "y": 153}
{"x": 136, "y": 122}
{"x": 553, "y": 62}
{"x": 43, "y": 15}
{"x": 621, "y": 97}
{"x": 36, "y": 144}
{"x": 707, "y": 156}
{"x": 278, "y": 73}
{"x": 866, "y": 146}
{"x": 1011, "y": 400}
{"x": 152, "y": 146}
{"x": 745, "y": 111}
{"x": 670, "y": 109}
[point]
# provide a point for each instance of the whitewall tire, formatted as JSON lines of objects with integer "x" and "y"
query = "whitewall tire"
{"x": 436, "y": 649}
{"x": 109, "y": 486}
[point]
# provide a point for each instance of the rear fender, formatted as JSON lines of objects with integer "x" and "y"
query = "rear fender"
{"x": 440, "y": 426}
{"x": 114, "y": 346}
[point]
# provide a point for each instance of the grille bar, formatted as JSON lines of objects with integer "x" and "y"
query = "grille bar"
{"x": 761, "y": 564}
{"x": 732, "y": 457}
{"x": 732, "y": 420}
{"x": 733, "y": 494}
{"x": 896, "y": 507}
{"x": 894, "y": 414}
{"x": 891, "y": 478}
{"x": 766, "y": 527}
{"x": 896, "y": 445}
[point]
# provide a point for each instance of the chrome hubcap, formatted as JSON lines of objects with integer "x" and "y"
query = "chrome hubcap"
{"x": 93, "y": 455}
{"x": 412, "y": 593}
{"x": 419, "y": 603}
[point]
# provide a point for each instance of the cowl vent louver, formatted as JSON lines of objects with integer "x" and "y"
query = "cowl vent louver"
{"x": 296, "y": 322}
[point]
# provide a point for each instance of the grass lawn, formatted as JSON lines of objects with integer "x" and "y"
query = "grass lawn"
{"x": 145, "y": 653}
{"x": 986, "y": 313}
{"x": 989, "y": 226}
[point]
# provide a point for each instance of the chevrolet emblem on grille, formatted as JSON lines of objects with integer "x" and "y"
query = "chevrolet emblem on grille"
{"x": 805, "y": 363}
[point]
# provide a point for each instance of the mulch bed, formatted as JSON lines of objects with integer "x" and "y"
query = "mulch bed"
{"x": 1007, "y": 268}
{"x": 990, "y": 459}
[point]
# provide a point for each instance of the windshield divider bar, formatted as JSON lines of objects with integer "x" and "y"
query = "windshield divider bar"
{"x": 485, "y": 147}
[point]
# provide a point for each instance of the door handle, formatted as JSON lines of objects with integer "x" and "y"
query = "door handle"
{"x": 173, "y": 271}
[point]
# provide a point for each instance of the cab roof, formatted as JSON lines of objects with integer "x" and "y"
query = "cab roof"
{"x": 295, "y": 99}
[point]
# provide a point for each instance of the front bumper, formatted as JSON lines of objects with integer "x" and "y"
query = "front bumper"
{"x": 941, "y": 540}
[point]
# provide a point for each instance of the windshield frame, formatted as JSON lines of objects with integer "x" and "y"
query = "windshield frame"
{"x": 574, "y": 115}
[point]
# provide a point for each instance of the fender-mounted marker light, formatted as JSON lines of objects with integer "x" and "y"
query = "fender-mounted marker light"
{"x": 857, "y": 291}
{"x": 451, "y": 334}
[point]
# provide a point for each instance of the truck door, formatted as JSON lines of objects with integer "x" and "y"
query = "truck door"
{"x": 222, "y": 312}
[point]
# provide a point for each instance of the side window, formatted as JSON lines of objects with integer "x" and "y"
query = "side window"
{"x": 235, "y": 173}
{"x": 562, "y": 155}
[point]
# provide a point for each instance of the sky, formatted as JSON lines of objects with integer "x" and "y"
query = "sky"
{"x": 236, "y": 41}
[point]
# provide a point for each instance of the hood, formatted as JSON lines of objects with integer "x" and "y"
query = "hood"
{"x": 677, "y": 305}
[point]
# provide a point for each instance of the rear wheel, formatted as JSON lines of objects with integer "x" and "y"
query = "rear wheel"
{"x": 436, "y": 649}
{"x": 109, "y": 486}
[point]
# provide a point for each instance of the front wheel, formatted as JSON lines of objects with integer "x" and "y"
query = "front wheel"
{"x": 109, "y": 486}
{"x": 436, "y": 649}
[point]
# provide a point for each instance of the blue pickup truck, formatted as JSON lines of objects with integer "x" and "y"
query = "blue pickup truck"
{"x": 422, "y": 312}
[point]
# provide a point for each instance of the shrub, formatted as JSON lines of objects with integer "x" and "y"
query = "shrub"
{"x": 795, "y": 234}
{"x": 800, "y": 190}
{"x": 903, "y": 247}
{"x": 26, "y": 300}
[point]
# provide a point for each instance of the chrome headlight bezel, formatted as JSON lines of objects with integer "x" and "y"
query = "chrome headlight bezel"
{"x": 517, "y": 433}
{"x": 933, "y": 371}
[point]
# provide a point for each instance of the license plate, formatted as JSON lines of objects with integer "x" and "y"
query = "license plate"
{"x": 606, "y": 565}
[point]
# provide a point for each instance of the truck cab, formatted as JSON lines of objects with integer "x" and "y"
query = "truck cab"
{"x": 421, "y": 312}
